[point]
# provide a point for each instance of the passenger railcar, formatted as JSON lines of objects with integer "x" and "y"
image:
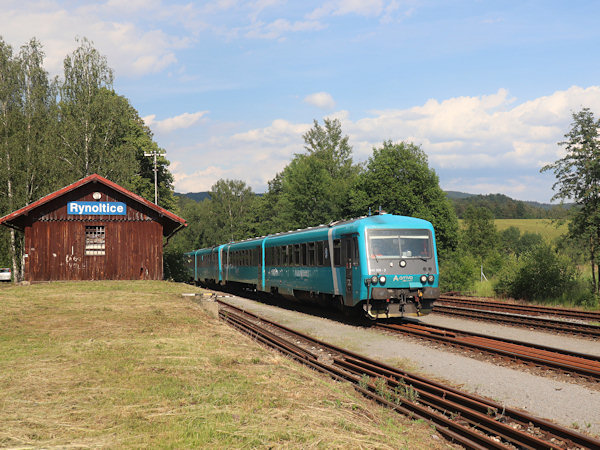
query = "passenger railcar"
{"x": 385, "y": 265}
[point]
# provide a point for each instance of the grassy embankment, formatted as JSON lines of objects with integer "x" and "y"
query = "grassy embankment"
{"x": 133, "y": 364}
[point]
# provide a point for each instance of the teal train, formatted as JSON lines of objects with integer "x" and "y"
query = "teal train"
{"x": 382, "y": 266}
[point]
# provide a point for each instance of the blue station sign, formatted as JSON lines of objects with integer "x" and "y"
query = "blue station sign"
{"x": 97, "y": 208}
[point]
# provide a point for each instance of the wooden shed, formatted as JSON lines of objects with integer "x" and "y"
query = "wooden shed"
{"x": 93, "y": 229}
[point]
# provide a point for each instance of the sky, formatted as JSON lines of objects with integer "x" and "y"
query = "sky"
{"x": 228, "y": 87}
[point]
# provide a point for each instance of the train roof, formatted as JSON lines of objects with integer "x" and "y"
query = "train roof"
{"x": 341, "y": 227}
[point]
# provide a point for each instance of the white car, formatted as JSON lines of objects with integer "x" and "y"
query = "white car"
{"x": 5, "y": 274}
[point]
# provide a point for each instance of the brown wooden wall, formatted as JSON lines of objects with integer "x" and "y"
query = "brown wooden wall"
{"x": 133, "y": 250}
{"x": 55, "y": 242}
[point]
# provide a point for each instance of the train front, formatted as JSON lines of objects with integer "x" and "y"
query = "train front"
{"x": 402, "y": 270}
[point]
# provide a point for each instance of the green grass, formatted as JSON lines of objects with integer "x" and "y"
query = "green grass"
{"x": 545, "y": 227}
{"x": 484, "y": 288}
{"x": 133, "y": 364}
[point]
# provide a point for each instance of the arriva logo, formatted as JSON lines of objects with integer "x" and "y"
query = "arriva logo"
{"x": 405, "y": 278}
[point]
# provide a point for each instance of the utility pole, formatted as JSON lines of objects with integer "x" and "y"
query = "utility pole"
{"x": 154, "y": 154}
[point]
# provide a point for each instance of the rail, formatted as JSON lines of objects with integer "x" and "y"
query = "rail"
{"x": 584, "y": 365}
{"x": 471, "y": 421}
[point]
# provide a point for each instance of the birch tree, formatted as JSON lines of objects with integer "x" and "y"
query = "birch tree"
{"x": 578, "y": 180}
{"x": 91, "y": 116}
{"x": 8, "y": 125}
{"x": 40, "y": 171}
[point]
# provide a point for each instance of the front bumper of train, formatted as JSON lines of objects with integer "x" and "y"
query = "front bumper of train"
{"x": 400, "y": 302}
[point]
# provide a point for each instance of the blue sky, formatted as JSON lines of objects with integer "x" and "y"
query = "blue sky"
{"x": 228, "y": 87}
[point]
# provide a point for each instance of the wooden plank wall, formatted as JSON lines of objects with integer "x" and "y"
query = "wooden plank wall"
{"x": 133, "y": 250}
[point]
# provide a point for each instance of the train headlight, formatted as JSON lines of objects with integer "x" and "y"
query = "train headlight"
{"x": 423, "y": 279}
{"x": 431, "y": 278}
{"x": 402, "y": 263}
{"x": 381, "y": 279}
{"x": 374, "y": 279}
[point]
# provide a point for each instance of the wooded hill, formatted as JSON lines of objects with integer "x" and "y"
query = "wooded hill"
{"x": 504, "y": 207}
{"x": 501, "y": 206}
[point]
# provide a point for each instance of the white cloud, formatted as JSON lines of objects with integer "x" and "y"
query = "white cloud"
{"x": 279, "y": 27}
{"x": 170, "y": 124}
{"x": 321, "y": 100}
{"x": 116, "y": 29}
{"x": 484, "y": 144}
{"x": 367, "y": 8}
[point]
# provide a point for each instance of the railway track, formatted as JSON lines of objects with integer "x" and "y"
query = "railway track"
{"x": 469, "y": 302}
{"x": 557, "y": 326}
{"x": 471, "y": 421}
{"x": 583, "y": 365}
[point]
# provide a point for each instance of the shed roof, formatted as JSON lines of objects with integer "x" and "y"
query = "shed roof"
{"x": 169, "y": 221}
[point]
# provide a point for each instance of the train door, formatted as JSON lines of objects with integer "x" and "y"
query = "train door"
{"x": 351, "y": 262}
{"x": 258, "y": 252}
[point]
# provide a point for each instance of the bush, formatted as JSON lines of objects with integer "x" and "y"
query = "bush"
{"x": 173, "y": 264}
{"x": 583, "y": 295}
{"x": 459, "y": 272}
{"x": 539, "y": 274}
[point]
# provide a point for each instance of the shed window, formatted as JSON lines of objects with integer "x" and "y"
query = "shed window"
{"x": 94, "y": 240}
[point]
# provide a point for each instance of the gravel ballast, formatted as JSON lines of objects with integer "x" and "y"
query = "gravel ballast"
{"x": 566, "y": 403}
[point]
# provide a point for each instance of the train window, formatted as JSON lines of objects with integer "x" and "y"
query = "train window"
{"x": 303, "y": 255}
{"x": 349, "y": 254}
{"x": 311, "y": 254}
{"x": 286, "y": 255}
{"x": 320, "y": 253}
{"x": 337, "y": 257}
{"x": 392, "y": 244}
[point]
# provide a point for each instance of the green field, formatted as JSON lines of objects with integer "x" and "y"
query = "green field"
{"x": 545, "y": 227}
{"x": 136, "y": 365}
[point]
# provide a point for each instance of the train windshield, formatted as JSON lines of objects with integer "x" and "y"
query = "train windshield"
{"x": 399, "y": 244}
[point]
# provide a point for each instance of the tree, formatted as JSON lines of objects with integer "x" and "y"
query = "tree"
{"x": 540, "y": 274}
{"x": 328, "y": 145}
{"x": 398, "y": 179}
{"x": 314, "y": 188}
{"x": 231, "y": 202}
{"x": 26, "y": 125}
{"x": 40, "y": 169}
{"x": 479, "y": 232}
{"x": 91, "y": 117}
{"x": 9, "y": 119}
{"x": 578, "y": 179}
